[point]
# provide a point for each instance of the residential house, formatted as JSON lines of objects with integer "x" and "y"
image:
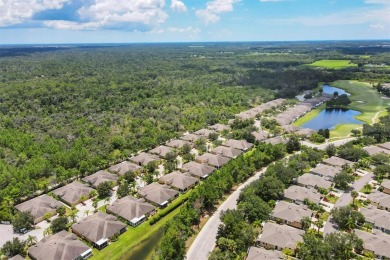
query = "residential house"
{"x": 279, "y": 237}
{"x": 72, "y": 192}
{"x": 276, "y": 140}
{"x": 260, "y": 135}
{"x": 226, "y": 151}
{"x": 133, "y": 210}
{"x": 198, "y": 170}
{"x": 313, "y": 181}
{"x": 385, "y": 146}
{"x": 125, "y": 167}
{"x": 386, "y": 186}
{"x": 305, "y": 132}
{"x": 377, "y": 218}
{"x": 205, "y": 132}
{"x": 158, "y": 194}
{"x": 259, "y": 253}
{"x": 177, "y": 143}
{"x": 62, "y": 245}
{"x": 298, "y": 194}
{"x": 380, "y": 200}
{"x": 16, "y": 257}
{"x": 338, "y": 162}
{"x": 290, "y": 128}
{"x": 290, "y": 214}
{"x": 39, "y": 207}
{"x": 377, "y": 244}
{"x": 372, "y": 150}
{"x": 100, "y": 177}
{"x": 238, "y": 144}
{"x": 191, "y": 138}
{"x": 214, "y": 160}
{"x": 98, "y": 228}
{"x": 162, "y": 151}
{"x": 219, "y": 127}
{"x": 326, "y": 171}
{"x": 145, "y": 158}
{"x": 179, "y": 181}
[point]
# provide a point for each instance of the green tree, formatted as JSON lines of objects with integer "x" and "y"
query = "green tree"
{"x": 305, "y": 223}
{"x": 354, "y": 195}
{"x": 269, "y": 188}
{"x": 59, "y": 224}
{"x": 293, "y": 144}
{"x": 104, "y": 189}
{"x": 331, "y": 150}
{"x": 254, "y": 208}
{"x": 61, "y": 210}
{"x": 347, "y": 218}
{"x": 14, "y": 247}
{"x": 123, "y": 190}
{"x": 31, "y": 240}
{"x": 22, "y": 220}
{"x": 342, "y": 180}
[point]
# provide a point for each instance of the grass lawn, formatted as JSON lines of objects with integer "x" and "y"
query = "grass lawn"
{"x": 134, "y": 236}
{"x": 333, "y": 64}
{"x": 324, "y": 216}
{"x": 331, "y": 199}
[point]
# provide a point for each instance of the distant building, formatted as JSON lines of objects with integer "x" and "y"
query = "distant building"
{"x": 380, "y": 200}
{"x": 386, "y": 186}
{"x": 338, "y": 162}
{"x": 377, "y": 218}
{"x": 205, "y": 132}
{"x": 326, "y": 171}
{"x": 191, "y": 138}
{"x": 177, "y": 143}
{"x": 219, "y": 127}
{"x": 373, "y": 150}
{"x": 313, "y": 181}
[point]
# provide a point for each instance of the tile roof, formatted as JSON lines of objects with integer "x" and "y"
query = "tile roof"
{"x": 290, "y": 211}
{"x": 380, "y": 198}
{"x": 178, "y": 180}
{"x": 372, "y": 150}
{"x": 219, "y": 127}
{"x": 312, "y": 180}
{"x": 177, "y": 143}
{"x": 326, "y": 170}
{"x": 281, "y": 236}
{"x": 337, "y": 161}
{"x": 124, "y": 167}
{"x": 256, "y": 253}
{"x": 144, "y": 158}
{"x": 204, "y": 132}
{"x": 39, "y": 206}
{"x": 301, "y": 193}
{"x": 130, "y": 208}
{"x": 162, "y": 150}
{"x": 378, "y": 217}
{"x": 198, "y": 169}
{"x": 377, "y": 243}
{"x": 72, "y": 192}
{"x": 238, "y": 144}
{"x": 212, "y": 159}
{"x": 226, "y": 151}
{"x": 100, "y": 177}
{"x": 157, "y": 193}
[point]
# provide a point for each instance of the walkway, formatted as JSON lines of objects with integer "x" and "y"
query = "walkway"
{"x": 346, "y": 199}
{"x": 205, "y": 241}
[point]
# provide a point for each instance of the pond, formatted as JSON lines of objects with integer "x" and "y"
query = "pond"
{"x": 330, "y": 90}
{"x": 145, "y": 249}
{"x": 330, "y": 117}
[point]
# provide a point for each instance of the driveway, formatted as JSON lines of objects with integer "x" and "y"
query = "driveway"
{"x": 346, "y": 199}
{"x": 206, "y": 239}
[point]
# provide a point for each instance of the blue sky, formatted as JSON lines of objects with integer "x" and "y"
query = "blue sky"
{"x": 102, "y": 21}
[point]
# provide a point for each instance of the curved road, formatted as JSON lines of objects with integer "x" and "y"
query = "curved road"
{"x": 205, "y": 241}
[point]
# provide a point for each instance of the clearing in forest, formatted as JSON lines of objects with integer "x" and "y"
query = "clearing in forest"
{"x": 333, "y": 64}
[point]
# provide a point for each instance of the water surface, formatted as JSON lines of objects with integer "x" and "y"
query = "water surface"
{"x": 330, "y": 117}
{"x": 330, "y": 90}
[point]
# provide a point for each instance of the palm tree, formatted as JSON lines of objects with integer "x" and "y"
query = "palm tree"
{"x": 73, "y": 215}
{"x": 367, "y": 187}
{"x": 319, "y": 224}
{"x": 354, "y": 195}
{"x": 31, "y": 240}
{"x": 86, "y": 212}
{"x": 47, "y": 232}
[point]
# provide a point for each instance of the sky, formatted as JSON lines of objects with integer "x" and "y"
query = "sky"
{"x": 129, "y": 21}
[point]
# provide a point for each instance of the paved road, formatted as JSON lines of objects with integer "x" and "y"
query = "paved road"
{"x": 323, "y": 146}
{"x": 345, "y": 199}
{"x": 205, "y": 241}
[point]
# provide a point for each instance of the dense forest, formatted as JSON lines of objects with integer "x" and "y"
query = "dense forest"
{"x": 70, "y": 110}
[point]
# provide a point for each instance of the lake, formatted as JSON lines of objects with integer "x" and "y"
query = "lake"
{"x": 330, "y": 117}
{"x": 330, "y": 90}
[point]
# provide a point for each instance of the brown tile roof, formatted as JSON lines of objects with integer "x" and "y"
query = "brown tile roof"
{"x": 326, "y": 170}
{"x": 291, "y": 212}
{"x": 290, "y": 128}
{"x": 226, "y": 151}
{"x": 157, "y": 193}
{"x": 177, "y": 143}
{"x": 260, "y": 136}
{"x": 130, "y": 208}
{"x": 281, "y": 236}
{"x": 212, "y": 159}
{"x": 219, "y": 127}
{"x": 162, "y": 150}
{"x": 256, "y": 253}
{"x": 301, "y": 193}
{"x": 337, "y": 161}
{"x": 178, "y": 180}
{"x": 98, "y": 226}
{"x": 63, "y": 245}
{"x": 17, "y": 257}
{"x": 124, "y": 167}
{"x": 100, "y": 177}
{"x": 238, "y": 144}
{"x": 72, "y": 192}
{"x": 190, "y": 138}
{"x": 39, "y": 206}
{"x": 385, "y": 145}
{"x": 144, "y": 158}
{"x": 198, "y": 169}
{"x": 312, "y": 180}
{"x": 372, "y": 150}
{"x": 276, "y": 140}
{"x": 204, "y": 132}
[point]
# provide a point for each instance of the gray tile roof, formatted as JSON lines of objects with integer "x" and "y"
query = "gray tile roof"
{"x": 17, "y": 257}
{"x": 212, "y": 159}
{"x": 377, "y": 217}
{"x": 157, "y": 193}
{"x": 177, "y": 143}
{"x": 219, "y": 127}
{"x": 260, "y": 136}
{"x": 372, "y": 150}
{"x": 190, "y": 137}
{"x": 198, "y": 169}
{"x": 145, "y": 158}
{"x": 178, "y": 180}
{"x": 72, "y": 192}
{"x": 130, "y": 208}
{"x": 377, "y": 243}
{"x": 63, "y": 245}
{"x": 39, "y": 206}
{"x": 226, "y": 151}
{"x": 386, "y": 184}
{"x": 98, "y": 226}
{"x": 291, "y": 212}
{"x": 256, "y": 253}
{"x": 162, "y": 150}
{"x": 100, "y": 177}
{"x": 290, "y": 128}
{"x": 301, "y": 193}
{"x": 276, "y": 140}
{"x": 380, "y": 198}
{"x": 281, "y": 236}
{"x": 124, "y": 167}
{"x": 385, "y": 145}
{"x": 312, "y": 180}
{"x": 204, "y": 132}
{"x": 326, "y": 170}
{"x": 305, "y": 131}
{"x": 337, "y": 161}
{"x": 238, "y": 144}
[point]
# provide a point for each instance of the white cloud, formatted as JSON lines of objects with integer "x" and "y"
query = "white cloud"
{"x": 264, "y": 1}
{"x": 184, "y": 30}
{"x": 178, "y": 6}
{"x": 384, "y": 2}
{"x": 108, "y": 12}
{"x": 17, "y": 11}
{"x": 215, "y": 7}
{"x": 377, "y": 26}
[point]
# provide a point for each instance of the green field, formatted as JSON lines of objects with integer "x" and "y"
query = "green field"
{"x": 133, "y": 236}
{"x": 333, "y": 64}
{"x": 364, "y": 99}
